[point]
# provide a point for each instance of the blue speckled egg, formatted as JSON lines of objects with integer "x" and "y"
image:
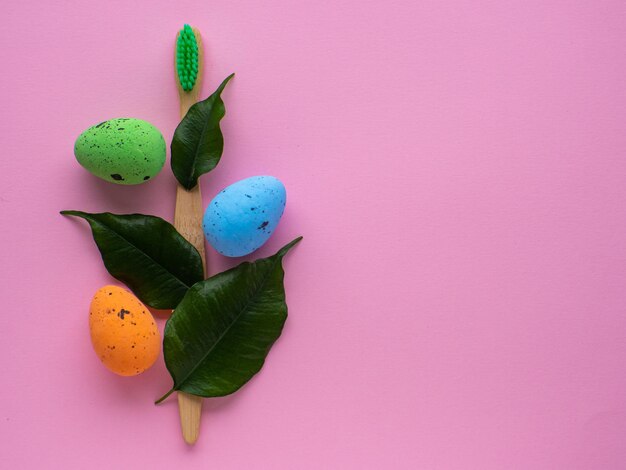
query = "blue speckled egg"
{"x": 241, "y": 218}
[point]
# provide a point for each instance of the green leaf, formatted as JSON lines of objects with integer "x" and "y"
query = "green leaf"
{"x": 219, "y": 335}
{"x": 147, "y": 254}
{"x": 198, "y": 142}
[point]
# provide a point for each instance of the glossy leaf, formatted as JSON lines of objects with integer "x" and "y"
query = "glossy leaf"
{"x": 198, "y": 143}
{"x": 147, "y": 254}
{"x": 221, "y": 332}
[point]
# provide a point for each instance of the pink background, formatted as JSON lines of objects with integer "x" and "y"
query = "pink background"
{"x": 458, "y": 171}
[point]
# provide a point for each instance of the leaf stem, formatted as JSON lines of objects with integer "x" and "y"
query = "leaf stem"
{"x": 164, "y": 396}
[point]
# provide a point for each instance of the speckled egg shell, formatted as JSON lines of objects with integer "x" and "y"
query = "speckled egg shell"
{"x": 124, "y": 334}
{"x": 241, "y": 218}
{"x": 121, "y": 151}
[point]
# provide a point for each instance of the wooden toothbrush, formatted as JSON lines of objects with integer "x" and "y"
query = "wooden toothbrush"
{"x": 189, "y": 210}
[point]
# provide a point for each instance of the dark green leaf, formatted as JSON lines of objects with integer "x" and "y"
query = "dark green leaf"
{"x": 198, "y": 142}
{"x": 147, "y": 254}
{"x": 219, "y": 335}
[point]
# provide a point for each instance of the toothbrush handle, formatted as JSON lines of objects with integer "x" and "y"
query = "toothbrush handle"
{"x": 188, "y": 221}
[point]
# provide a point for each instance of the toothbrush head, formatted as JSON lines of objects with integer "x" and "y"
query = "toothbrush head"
{"x": 187, "y": 57}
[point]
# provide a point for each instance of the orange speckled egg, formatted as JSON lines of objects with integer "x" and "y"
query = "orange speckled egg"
{"x": 123, "y": 331}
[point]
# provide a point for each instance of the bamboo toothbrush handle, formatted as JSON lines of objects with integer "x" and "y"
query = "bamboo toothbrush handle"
{"x": 188, "y": 221}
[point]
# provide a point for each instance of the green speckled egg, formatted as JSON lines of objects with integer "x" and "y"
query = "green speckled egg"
{"x": 122, "y": 151}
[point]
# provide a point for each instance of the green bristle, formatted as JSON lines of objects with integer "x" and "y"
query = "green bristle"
{"x": 187, "y": 58}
